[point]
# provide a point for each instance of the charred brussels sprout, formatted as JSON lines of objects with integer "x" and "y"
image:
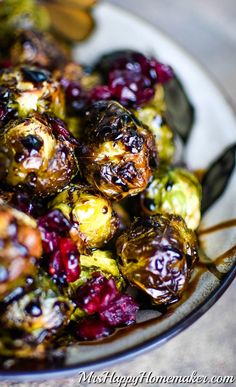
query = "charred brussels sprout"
{"x": 116, "y": 154}
{"x": 174, "y": 191}
{"x": 39, "y": 313}
{"x": 26, "y": 89}
{"x": 157, "y": 255}
{"x": 36, "y": 48}
{"x": 21, "y": 245}
{"x": 37, "y": 153}
{"x": 93, "y": 219}
{"x": 103, "y": 262}
{"x": 164, "y": 137}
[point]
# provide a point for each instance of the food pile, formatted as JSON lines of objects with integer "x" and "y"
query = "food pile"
{"x": 95, "y": 201}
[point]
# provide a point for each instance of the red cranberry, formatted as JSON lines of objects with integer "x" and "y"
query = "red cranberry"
{"x": 164, "y": 72}
{"x": 96, "y": 294}
{"x": 25, "y": 203}
{"x": 55, "y": 221}
{"x": 100, "y": 93}
{"x": 56, "y": 267}
{"x": 70, "y": 259}
{"x": 92, "y": 329}
{"x": 130, "y": 88}
{"x": 121, "y": 311}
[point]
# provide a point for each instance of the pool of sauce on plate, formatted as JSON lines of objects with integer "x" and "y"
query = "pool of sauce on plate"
{"x": 205, "y": 264}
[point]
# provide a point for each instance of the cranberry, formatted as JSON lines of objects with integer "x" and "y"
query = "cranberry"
{"x": 96, "y": 294}
{"x": 121, "y": 311}
{"x": 73, "y": 90}
{"x": 164, "y": 72}
{"x": 25, "y": 203}
{"x": 130, "y": 88}
{"x": 70, "y": 259}
{"x": 56, "y": 267}
{"x": 100, "y": 93}
{"x": 92, "y": 329}
{"x": 76, "y": 97}
{"x": 55, "y": 221}
{"x": 62, "y": 253}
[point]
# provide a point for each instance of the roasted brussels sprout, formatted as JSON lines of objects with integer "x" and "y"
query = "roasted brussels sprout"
{"x": 164, "y": 136}
{"x": 174, "y": 191}
{"x": 40, "y": 313}
{"x": 37, "y": 153}
{"x": 26, "y": 89}
{"x": 93, "y": 219}
{"x": 21, "y": 14}
{"x": 99, "y": 261}
{"x": 36, "y": 48}
{"x": 117, "y": 150}
{"x": 157, "y": 254}
{"x": 21, "y": 245}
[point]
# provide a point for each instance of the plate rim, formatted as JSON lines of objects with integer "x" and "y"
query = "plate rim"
{"x": 185, "y": 322}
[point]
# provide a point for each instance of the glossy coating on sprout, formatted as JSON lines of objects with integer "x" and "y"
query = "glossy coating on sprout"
{"x": 163, "y": 135}
{"x": 28, "y": 89}
{"x": 157, "y": 255}
{"x": 21, "y": 245}
{"x": 174, "y": 191}
{"x": 117, "y": 150}
{"x": 41, "y": 312}
{"x": 38, "y": 48}
{"x": 92, "y": 217}
{"x": 37, "y": 153}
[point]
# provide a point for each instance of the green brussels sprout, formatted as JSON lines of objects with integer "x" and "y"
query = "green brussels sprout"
{"x": 37, "y": 153}
{"x": 93, "y": 220}
{"x": 101, "y": 261}
{"x": 157, "y": 254}
{"x": 164, "y": 136}
{"x": 21, "y": 245}
{"x": 21, "y": 14}
{"x": 174, "y": 191}
{"x": 29, "y": 89}
{"x": 16, "y": 344}
{"x": 118, "y": 149}
{"x": 40, "y": 313}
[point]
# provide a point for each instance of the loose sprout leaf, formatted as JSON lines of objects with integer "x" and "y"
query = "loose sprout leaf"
{"x": 217, "y": 177}
{"x": 180, "y": 112}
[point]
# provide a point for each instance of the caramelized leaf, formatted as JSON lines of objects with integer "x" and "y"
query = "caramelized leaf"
{"x": 217, "y": 177}
{"x": 73, "y": 23}
{"x": 180, "y": 112}
{"x": 75, "y": 3}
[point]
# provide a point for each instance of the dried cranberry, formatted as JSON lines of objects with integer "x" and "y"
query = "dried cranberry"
{"x": 56, "y": 267}
{"x": 96, "y": 294}
{"x": 164, "y": 72}
{"x": 50, "y": 240}
{"x": 130, "y": 88}
{"x": 25, "y": 203}
{"x": 70, "y": 259}
{"x": 55, "y": 221}
{"x": 120, "y": 311}
{"x": 92, "y": 329}
{"x": 100, "y": 93}
{"x": 73, "y": 90}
